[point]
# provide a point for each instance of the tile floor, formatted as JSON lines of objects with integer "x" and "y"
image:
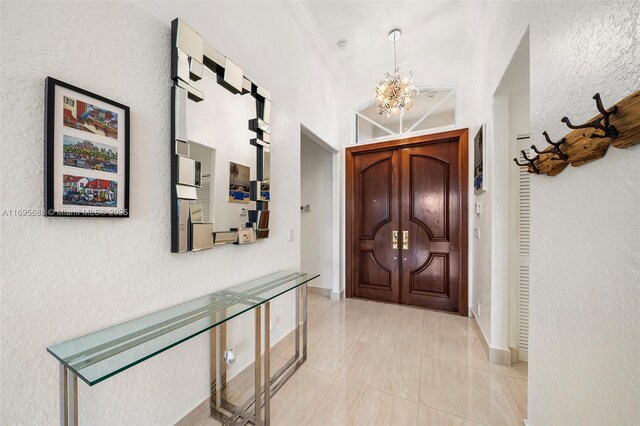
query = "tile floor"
{"x": 379, "y": 364}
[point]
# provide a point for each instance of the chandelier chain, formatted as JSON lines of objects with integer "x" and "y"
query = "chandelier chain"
{"x": 395, "y": 56}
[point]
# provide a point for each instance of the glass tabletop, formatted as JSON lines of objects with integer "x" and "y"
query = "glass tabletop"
{"x": 100, "y": 355}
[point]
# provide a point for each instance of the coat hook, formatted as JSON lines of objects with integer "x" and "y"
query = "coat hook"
{"x": 530, "y": 162}
{"x": 556, "y": 147}
{"x": 599, "y": 123}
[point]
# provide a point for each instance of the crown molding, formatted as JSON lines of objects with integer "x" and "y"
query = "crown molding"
{"x": 307, "y": 24}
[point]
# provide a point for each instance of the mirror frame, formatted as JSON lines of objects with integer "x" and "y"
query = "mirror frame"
{"x": 189, "y": 55}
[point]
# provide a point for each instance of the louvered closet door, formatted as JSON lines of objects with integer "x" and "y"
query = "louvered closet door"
{"x": 523, "y": 240}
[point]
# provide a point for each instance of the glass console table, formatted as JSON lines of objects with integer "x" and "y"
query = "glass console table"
{"x": 97, "y": 356}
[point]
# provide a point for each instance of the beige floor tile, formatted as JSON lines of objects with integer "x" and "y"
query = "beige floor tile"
{"x": 466, "y": 392}
{"x": 285, "y": 348}
{"x": 359, "y": 306}
{"x": 400, "y": 316}
{"x": 431, "y": 320}
{"x": 328, "y": 352}
{"x": 314, "y": 314}
{"x": 519, "y": 370}
{"x": 386, "y": 370}
{"x": 317, "y": 306}
{"x": 389, "y": 358}
{"x": 210, "y": 421}
{"x": 341, "y": 323}
{"x": 319, "y": 301}
{"x": 338, "y": 404}
{"x": 519, "y": 389}
{"x": 407, "y": 338}
{"x": 450, "y": 347}
{"x": 379, "y": 408}
{"x": 456, "y": 324}
{"x": 428, "y": 416}
{"x": 297, "y": 400}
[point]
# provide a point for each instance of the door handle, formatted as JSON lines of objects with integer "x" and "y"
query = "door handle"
{"x": 394, "y": 240}
{"x": 405, "y": 240}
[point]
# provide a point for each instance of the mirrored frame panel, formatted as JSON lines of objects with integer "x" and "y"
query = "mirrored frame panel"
{"x": 191, "y": 227}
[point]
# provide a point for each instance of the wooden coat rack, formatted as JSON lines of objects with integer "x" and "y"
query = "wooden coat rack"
{"x": 618, "y": 126}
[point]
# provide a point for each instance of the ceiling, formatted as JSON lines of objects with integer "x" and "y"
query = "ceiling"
{"x": 437, "y": 41}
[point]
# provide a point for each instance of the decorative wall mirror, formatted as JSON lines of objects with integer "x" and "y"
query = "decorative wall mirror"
{"x": 220, "y": 166}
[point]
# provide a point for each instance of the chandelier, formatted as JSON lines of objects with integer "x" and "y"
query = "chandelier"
{"x": 395, "y": 93}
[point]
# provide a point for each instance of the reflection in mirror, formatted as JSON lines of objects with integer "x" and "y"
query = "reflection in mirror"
{"x": 219, "y": 138}
{"x": 220, "y": 144}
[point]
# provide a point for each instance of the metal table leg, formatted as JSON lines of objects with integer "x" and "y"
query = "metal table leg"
{"x": 267, "y": 363}
{"x": 258, "y": 377}
{"x": 304, "y": 322}
{"x": 229, "y": 413}
{"x": 297, "y": 296}
{"x": 68, "y": 397}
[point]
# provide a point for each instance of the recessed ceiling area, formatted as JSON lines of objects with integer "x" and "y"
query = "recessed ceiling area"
{"x": 437, "y": 40}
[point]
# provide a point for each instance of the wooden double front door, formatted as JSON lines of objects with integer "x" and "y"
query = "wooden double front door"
{"x": 407, "y": 221}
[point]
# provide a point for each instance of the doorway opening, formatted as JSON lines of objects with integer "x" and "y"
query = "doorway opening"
{"x": 319, "y": 213}
{"x": 512, "y": 210}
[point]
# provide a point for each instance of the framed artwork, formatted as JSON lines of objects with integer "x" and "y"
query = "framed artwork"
{"x": 239, "y": 183}
{"x": 479, "y": 183}
{"x": 86, "y": 153}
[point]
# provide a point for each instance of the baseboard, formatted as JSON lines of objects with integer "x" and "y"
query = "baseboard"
{"x": 494, "y": 355}
{"x": 515, "y": 356}
{"x": 480, "y": 334}
{"x": 337, "y": 296}
{"x": 320, "y": 291}
{"x": 499, "y": 356}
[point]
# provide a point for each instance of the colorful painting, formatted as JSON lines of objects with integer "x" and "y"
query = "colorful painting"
{"x": 85, "y": 191}
{"x": 87, "y": 168}
{"x": 85, "y": 154}
{"x": 239, "y": 183}
{"x": 265, "y": 191}
{"x": 80, "y": 115}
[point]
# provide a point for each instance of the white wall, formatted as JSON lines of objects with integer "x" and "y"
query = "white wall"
{"x": 584, "y": 319}
{"x": 122, "y": 51}
{"x": 316, "y": 190}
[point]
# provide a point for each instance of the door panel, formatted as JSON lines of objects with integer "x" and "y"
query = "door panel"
{"x": 416, "y": 185}
{"x": 376, "y": 198}
{"x": 430, "y": 271}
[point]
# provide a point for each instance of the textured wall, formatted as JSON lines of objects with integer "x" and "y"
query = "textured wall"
{"x": 585, "y": 252}
{"x": 585, "y": 283}
{"x": 64, "y": 277}
{"x": 502, "y": 26}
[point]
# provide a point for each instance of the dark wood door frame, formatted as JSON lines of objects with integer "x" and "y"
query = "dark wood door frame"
{"x": 462, "y": 137}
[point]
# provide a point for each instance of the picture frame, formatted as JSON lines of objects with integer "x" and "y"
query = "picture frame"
{"x": 479, "y": 148}
{"x": 86, "y": 153}
{"x": 239, "y": 183}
